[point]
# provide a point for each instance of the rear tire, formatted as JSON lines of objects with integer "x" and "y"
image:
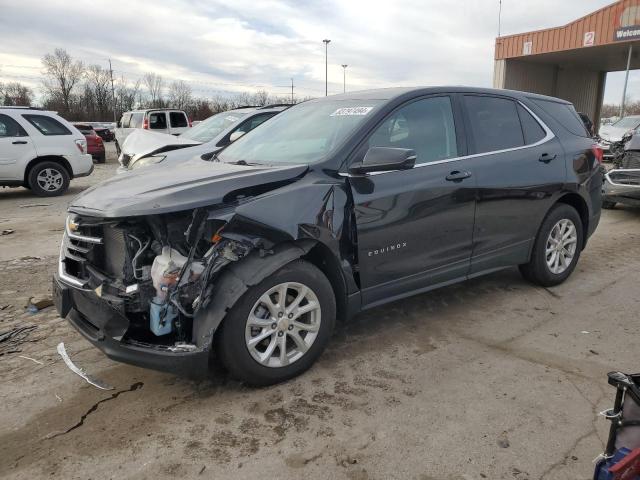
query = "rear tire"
{"x": 554, "y": 257}
{"x": 48, "y": 179}
{"x": 608, "y": 204}
{"x": 250, "y": 338}
{"x": 102, "y": 158}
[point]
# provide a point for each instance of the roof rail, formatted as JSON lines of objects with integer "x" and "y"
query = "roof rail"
{"x": 245, "y": 106}
{"x": 274, "y": 105}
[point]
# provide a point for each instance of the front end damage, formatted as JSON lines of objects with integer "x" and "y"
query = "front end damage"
{"x": 140, "y": 288}
{"x": 623, "y": 186}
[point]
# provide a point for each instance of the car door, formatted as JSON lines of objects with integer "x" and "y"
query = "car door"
{"x": 178, "y": 122}
{"x": 414, "y": 227}
{"x": 16, "y": 149}
{"x": 158, "y": 122}
{"x": 518, "y": 164}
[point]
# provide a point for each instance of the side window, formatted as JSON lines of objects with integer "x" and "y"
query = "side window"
{"x": 136, "y": 120}
{"x": 178, "y": 120}
{"x": 425, "y": 126}
{"x": 532, "y": 130}
{"x": 157, "y": 121}
{"x": 10, "y": 128}
{"x": 494, "y": 123}
{"x": 125, "y": 120}
{"x": 47, "y": 125}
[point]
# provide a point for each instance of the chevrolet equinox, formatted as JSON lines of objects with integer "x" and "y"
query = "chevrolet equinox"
{"x": 335, "y": 206}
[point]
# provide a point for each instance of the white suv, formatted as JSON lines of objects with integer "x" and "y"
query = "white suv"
{"x": 40, "y": 151}
{"x": 158, "y": 120}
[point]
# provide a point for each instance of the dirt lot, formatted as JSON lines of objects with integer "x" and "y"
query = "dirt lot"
{"x": 493, "y": 378}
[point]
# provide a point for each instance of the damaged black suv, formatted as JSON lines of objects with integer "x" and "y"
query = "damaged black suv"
{"x": 335, "y": 206}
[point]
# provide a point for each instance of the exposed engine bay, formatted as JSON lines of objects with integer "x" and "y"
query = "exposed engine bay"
{"x": 157, "y": 271}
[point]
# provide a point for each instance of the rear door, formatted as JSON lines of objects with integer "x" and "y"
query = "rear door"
{"x": 414, "y": 227}
{"x": 178, "y": 122}
{"x": 16, "y": 149}
{"x": 519, "y": 165}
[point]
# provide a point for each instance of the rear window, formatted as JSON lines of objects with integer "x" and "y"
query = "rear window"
{"x": 565, "y": 114}
{"x": 495, "y": 124}
{"x": 157, "y": 121}
{"x": 47, "y": 125}
{"x": 178, "y": 119}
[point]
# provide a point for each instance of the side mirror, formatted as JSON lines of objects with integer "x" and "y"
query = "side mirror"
{"x": 236, "y": 135}
{"x": 383, "y": 159}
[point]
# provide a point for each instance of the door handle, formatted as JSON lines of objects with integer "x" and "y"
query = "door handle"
{"x": 457, "y": 176}
{"x": 19, "y": 142}
{"x": 546, "y": 158}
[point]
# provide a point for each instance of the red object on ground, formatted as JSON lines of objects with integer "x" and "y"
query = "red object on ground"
{"x": 628, "y": 468}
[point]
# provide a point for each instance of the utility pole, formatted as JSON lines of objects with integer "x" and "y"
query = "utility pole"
{"x": 344, "y": 78}
{"x": 326, "y": 42}
{"x": 626, "y": 80}
{"x": 113, "y": 94}
{"x": 499, "y": 17}
{"x": 292, "y": 91}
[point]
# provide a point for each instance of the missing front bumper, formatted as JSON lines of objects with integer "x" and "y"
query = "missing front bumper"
{"x": 105, "y": 328}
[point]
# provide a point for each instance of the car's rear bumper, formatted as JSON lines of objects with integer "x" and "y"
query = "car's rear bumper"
{"x": 105, "y": 328}
{"x": 81, "y": 164}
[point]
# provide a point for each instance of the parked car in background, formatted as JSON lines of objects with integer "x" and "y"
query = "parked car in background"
{"x": 95, "y": 146}
{"x": 588, "y": 124}
{"x": 336, "y": 205}
{"x": 41, "y": 151}
{"x": 104, "y": 131}
{"x": 160, "y": 120}
{"x": 622, "y": 182}
{"x": 209, "y": 136}
{"x": 611, "y": 135}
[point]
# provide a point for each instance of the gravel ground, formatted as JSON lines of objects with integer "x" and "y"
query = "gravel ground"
{"x": 492, "y": 378}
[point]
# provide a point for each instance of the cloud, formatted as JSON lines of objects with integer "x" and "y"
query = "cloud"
{"x": 247, "y": 44}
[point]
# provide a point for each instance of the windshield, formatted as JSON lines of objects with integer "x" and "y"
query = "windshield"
{"x": 206, "y": 130}
{"x": 307, "y": 133}
{"x": 627, "y": 122}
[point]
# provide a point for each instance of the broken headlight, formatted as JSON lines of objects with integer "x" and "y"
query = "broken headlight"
{"x": 143, "y": 162}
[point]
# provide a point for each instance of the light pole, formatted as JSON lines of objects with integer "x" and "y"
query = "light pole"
{"x": 344, "y": 78}
{"x": 326, "y": 42}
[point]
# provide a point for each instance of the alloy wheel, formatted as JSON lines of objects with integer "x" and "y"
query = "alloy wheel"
{"x": 561, "y": 246}
{"x": 283, "y": 324}
{"x": 50, "y": 179}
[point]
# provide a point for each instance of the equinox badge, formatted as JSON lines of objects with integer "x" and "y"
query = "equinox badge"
{"x": 387, "y": 249}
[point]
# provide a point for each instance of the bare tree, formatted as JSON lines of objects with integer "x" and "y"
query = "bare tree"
{"x": 16, "y": 94}
{"x": 126, "y": 95}
{"x": 62, "y": 74}
{"x": 154, "y": 84}
{"x": 179, "y": 95}
{"x": 99, "y": 82}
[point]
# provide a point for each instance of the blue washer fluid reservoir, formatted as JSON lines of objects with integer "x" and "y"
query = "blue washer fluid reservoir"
{"x": 162, "y": 315}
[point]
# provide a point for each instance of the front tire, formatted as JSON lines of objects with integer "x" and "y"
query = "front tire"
{"x": 279, "y": 327}
{"x": 48, "y": 179}
{"x": 608, "y": 204}
{"x": 557, "y": 247}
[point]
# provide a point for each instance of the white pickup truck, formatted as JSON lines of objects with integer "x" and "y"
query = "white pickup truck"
{"x": 160, "y": 120}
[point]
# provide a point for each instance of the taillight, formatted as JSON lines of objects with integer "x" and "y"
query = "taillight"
{"x": 145, "y": 124}
{"x": 82, "y": 145}
{"x": 598, "y": 152}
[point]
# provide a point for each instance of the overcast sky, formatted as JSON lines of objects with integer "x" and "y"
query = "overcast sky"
{"x": 242, "y": 45}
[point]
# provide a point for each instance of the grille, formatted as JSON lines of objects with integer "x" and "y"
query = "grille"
{"x": 86, "y": 242}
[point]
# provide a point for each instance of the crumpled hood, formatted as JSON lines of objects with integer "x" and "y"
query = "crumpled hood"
{"x": 192, "y": 184}
{"x": 611, "y": 133}
{"x": 142, "y": 143}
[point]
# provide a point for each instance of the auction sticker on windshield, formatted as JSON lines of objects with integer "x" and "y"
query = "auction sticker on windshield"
{"x": 351, "y": 111}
